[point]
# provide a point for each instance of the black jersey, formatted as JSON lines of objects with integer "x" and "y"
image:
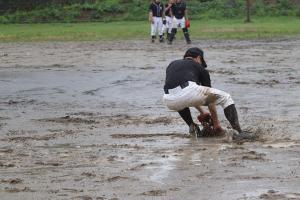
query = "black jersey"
{"x": 181, "y": 71}
{"x": 167, "y": 12}
{"x": 178, "y": 10}
{"x": 157, "y": 9}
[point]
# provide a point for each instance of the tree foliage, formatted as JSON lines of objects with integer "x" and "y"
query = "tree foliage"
{"x": 19, "y": 11}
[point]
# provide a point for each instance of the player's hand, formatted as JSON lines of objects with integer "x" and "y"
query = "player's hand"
{"x": 164, "y": 22}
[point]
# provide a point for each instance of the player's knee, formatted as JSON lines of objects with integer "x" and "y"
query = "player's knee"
{"x": 227, "y": 100}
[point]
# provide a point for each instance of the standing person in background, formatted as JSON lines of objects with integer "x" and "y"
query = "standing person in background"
{"x": 156, "y": 13}
{"x": 179, "y": 13}
{"x": 168, "y": 22}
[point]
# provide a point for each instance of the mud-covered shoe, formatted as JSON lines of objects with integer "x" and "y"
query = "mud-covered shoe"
{"x": 195, "y": 130}
{"x": 243, "y": 135}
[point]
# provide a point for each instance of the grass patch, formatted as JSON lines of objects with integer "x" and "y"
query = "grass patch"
{"x": 267, "y": 27}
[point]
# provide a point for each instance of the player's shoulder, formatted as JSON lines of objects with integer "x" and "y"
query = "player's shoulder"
{"x": 176, "y": 62}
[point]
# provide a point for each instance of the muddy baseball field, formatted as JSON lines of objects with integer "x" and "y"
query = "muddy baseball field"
{"x": 85, "y": 120}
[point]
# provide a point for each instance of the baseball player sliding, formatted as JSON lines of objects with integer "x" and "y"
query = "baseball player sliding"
{"x": 156, "y": 14}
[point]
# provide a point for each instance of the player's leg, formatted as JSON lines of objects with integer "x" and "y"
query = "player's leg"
{"x": 156, "y": 25}
{"x": 174, "y": 30}
{"x": 164, "y": 27}
{"x": 185, "y": 31}
{"x": 194, "y": 129}
{"x": 169, "y": 26}
{"x": 185, "y": 114}
{"x": 160, "y": 29}
{"x": 224, "y": 99}
{"x": 153, "y": 33}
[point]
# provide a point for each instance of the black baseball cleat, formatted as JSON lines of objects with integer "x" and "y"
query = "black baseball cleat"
{"x": 195, "y": 130}
{"x": 152, "y": 40}
{"x": 161, "y": 40}
{"x": 243, "y": 135}
{"x": 189, "y": 42}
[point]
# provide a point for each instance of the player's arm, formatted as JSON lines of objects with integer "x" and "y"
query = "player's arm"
{"x": 150, "y": 14}
{"x": 205, "y": 78}
{"x": 186, "y": 13}
{"x": 151, "y": 17}
{"x": 168, "y": 7}
{"x": 171, "y": 11}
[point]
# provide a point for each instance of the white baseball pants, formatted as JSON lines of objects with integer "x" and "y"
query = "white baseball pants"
{"x": 178, "y": 23}
{"x": 168, "y": 25}
{"x": 156, "y": 26}
{"x": 195, "y": 95}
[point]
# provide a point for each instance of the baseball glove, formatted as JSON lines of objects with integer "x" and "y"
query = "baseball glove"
{"x": 187, "y": 23}
{"x": 208, "y": 126}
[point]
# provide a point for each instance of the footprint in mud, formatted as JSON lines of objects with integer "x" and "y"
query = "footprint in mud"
{"x": 16, "y": 190}
{"x": 238, "y": 81}
{"x": 155, "y": 193}
{"x": 7, "y": 165}
{"x": 12, "y": 181}
{"x": 67, "y": 119}
{"x": 83, "y": 113}
{"x": 128, "y": 79}
{"x": 112, "y": 158}
{"x": 140, "y": 166}
{"x": 82, "y": 198}
{"x": 116, "y": 178}
{"x": 6, "y": 151}
{"x": 159, "y": 120}
{"x": 179, "y": 135}
{"x": 269, "y": 83}
{"x": 37, "y": 89}
{"x": 91, "y": 92}
{"x": 31, "y": 138}
{"x": 59, "y": 90}
{"x": 147, "y": 67}
{"x": 53, "y": 135}
{"x": 23, "y": 102}
{"x": 72, "y": 190}
{"x": 251, "y": 155}
{"x": 275, "y": 195}
{"x": 88, "y": 174}
{"x": 50, "y": 163}
{"x": 5, "y": 118}
{"x": 223, "y": 72}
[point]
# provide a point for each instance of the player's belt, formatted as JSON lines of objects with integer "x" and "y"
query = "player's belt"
{"x": 174, "y": 90}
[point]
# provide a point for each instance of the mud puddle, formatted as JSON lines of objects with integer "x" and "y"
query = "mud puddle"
{"x": 85, "y": 121}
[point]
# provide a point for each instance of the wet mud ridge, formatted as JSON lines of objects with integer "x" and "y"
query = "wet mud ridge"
{"x": 85, "y": 121}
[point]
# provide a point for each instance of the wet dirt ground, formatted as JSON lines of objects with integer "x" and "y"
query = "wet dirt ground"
{"x": 85, "y": 121}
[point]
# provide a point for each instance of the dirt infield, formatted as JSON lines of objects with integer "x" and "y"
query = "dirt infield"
{"x": 85, "y": 121}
